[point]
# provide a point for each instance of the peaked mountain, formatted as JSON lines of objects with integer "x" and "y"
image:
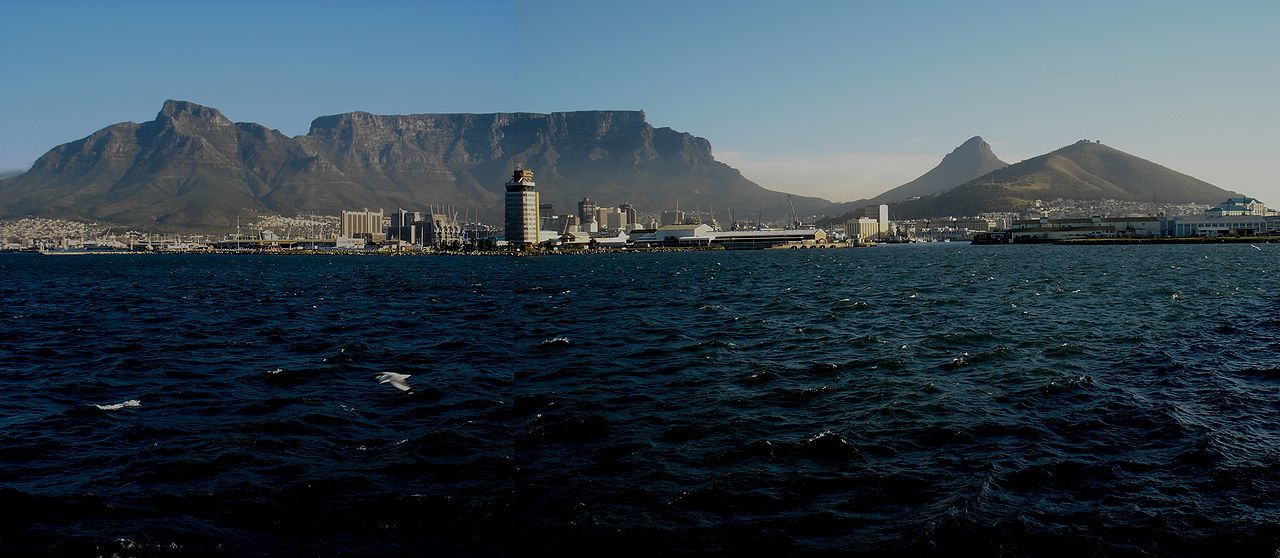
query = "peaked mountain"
{"x": 1085, "y": 170}
{"x": 971, "y": 159}
{"x": 194, "y": 169}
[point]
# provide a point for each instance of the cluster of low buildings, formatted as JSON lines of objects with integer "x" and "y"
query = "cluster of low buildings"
{"x": 438, "y": 228}
{"x": 1242, "y": 216}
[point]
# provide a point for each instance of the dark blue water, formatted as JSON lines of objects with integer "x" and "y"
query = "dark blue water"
{"x": 942, "y": 400}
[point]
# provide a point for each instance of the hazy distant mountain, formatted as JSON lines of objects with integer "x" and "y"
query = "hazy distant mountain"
{"x": 192, "y": 168}
{"x": 1084, "y": 170}
{"x": 972, "y": 159}
{"x": 6, "y": 173}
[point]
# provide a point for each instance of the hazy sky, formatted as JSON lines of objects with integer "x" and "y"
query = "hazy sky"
{"x": 841, "y": 99}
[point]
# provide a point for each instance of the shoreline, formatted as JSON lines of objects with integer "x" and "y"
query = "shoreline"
{"x": 510, "y": 253}
{"x": 406, "y": 253}
{"x": 666, "y": 249}
{"x": 1176, "y": 240}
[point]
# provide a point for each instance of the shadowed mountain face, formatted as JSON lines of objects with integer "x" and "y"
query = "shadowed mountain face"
{"x": 192, "y": 168}
{"x": 972, "y": 159}
{"x": 1082, "y": 171}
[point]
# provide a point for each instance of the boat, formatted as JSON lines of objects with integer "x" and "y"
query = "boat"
{"x": 997, "y": 237}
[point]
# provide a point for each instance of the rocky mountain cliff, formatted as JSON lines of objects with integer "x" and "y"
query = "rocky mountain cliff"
{"x": 194, "y": 169}
{"x": 1085, "y": 170}
{"x": 971, "y": 159}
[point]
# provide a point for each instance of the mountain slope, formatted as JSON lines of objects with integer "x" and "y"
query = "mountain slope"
{"x": 1082, "y": 171}
{"x": 971, "y": 159}
{"x": 192, "y": 168}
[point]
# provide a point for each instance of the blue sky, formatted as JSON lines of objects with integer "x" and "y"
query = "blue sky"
{"x": 839, "y": 99}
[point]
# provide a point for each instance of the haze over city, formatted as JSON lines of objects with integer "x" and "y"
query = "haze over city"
{"x": 834, "y": 99}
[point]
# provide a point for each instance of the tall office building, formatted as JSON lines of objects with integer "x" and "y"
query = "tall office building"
{"x": 602, "y": 216}
{"x": 630, "y": 211}
{"x": 586, "y": 210}
{"x": 616, "y": 220}
{"x": 521, "y": 210}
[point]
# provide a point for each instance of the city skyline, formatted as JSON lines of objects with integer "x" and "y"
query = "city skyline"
{"x": 835, "y": 100}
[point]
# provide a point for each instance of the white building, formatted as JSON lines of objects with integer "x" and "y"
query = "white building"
{"x": 881, "y": 214}
{"x": 1234, "y": 217}
{"x": 873, "y": 225}
{"x": 362, "y": 224}
{"x": 672, "y": 234}
{"x": 1088, "y": 227}
{"x": 618, "y": 240}
{"x": 1244, "y": 225}
{"x": 1235, "y": 207}
{"x": 862, "y": 229}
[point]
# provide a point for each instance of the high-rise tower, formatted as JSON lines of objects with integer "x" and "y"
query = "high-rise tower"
{"x": 521, "y": 211}
{"x": 630, "y": 210}
{"x": 586, "y": 210}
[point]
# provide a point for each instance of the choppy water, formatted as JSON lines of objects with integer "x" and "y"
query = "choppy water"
{"x": 906, "y": 400}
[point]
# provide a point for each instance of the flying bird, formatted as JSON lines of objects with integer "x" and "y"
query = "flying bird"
{"x": 400, "y": 381}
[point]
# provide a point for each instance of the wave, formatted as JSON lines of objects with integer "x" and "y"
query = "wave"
{"x": 121, "y": 405}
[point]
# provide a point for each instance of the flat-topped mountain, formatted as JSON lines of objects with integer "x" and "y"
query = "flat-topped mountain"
{"x": 971, "y": 159}
{"x": 193, "y": 168}
{"x": 1085, "y": 170}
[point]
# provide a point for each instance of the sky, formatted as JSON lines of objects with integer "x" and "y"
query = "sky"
{"x": 840, "y": 99}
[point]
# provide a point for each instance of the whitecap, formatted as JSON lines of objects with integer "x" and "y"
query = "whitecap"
{"x": 118, "y": 406}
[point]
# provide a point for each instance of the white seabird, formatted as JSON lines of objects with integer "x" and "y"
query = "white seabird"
{"x": 400, "y": 381}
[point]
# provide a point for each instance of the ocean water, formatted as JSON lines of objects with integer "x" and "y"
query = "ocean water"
{"x": 908, "y": 400}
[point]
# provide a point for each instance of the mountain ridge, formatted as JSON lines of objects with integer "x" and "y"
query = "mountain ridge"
{"x": 193, "y": 168}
